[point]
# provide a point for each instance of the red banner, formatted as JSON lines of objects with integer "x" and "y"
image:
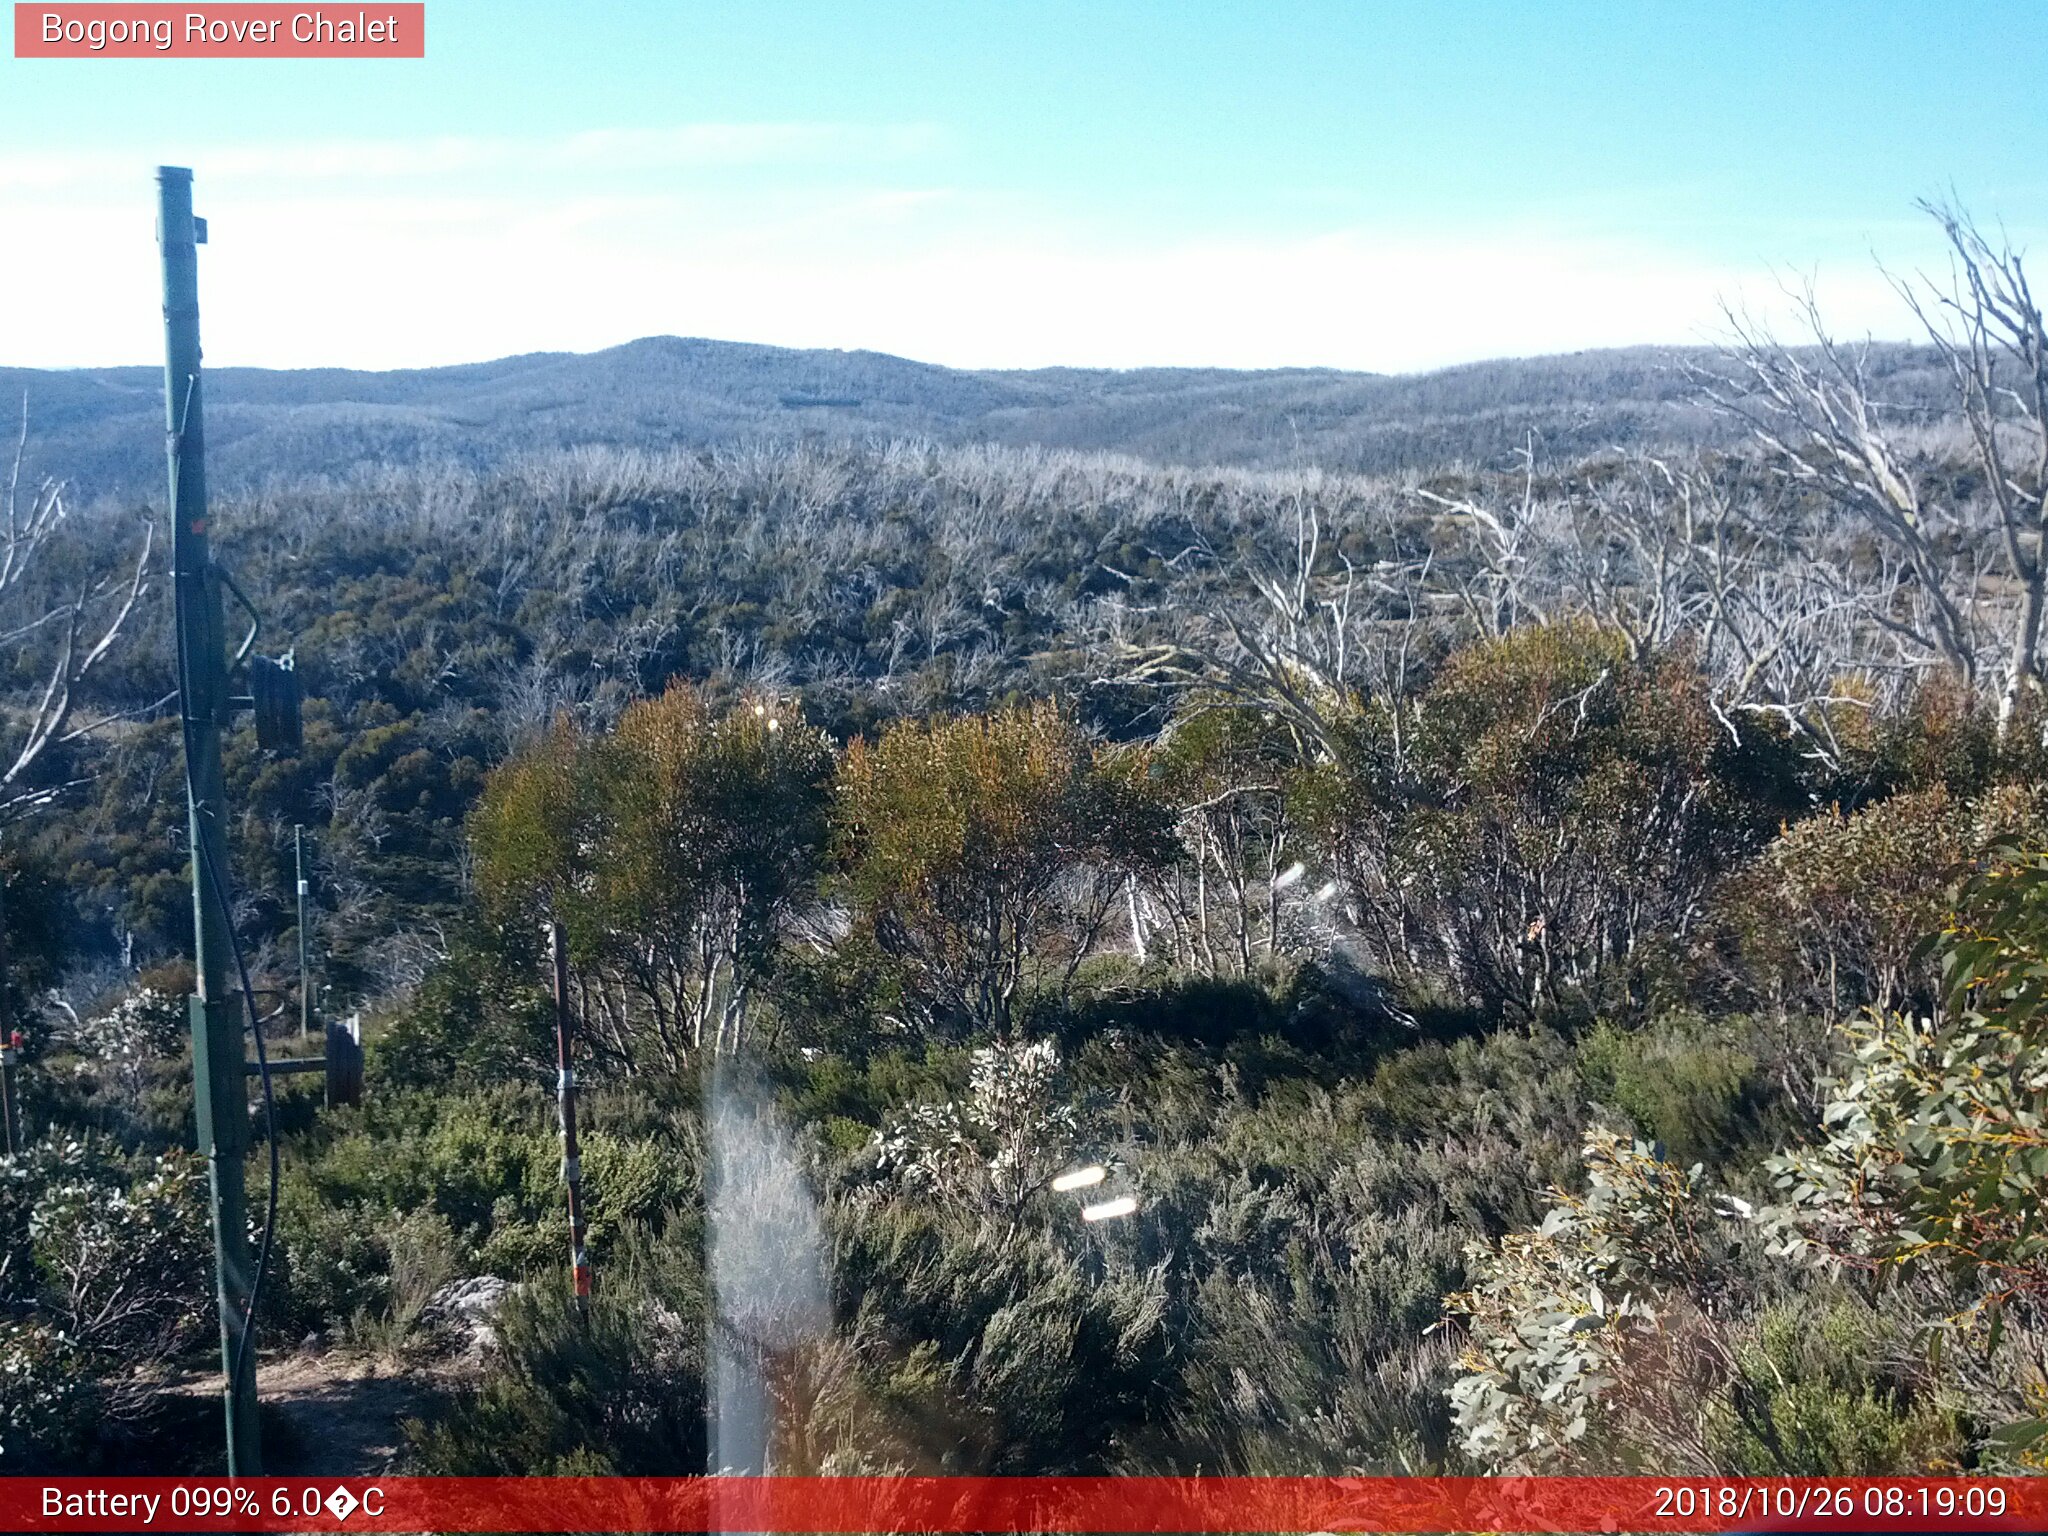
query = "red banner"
{"x": 264, "y": 31}
{"x": 1022, "y": 1504}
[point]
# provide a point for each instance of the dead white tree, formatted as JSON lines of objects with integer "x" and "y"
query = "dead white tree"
{"x": 1317, "y": 632}
{"x": 1786, "y": 619}
{"x": 1988, "y": 330}
{"x": 1511, "y": 547}
{"x": 1971, "y": 580}
{"x": 1670, "y": 552}
{"x": 76, "y": 626}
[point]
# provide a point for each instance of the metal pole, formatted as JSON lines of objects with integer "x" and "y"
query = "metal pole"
{"x": 217, "y": 1079}
{"x": 305, "y": 968}
{"x": 8, "y": 1043}
{"x": 565, "y": 1095}
{"x": 10, "y": 1048}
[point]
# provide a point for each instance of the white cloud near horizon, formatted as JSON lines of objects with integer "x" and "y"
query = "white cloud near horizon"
{"x": 684, "y": 146}
{"x": 411, "y": 254}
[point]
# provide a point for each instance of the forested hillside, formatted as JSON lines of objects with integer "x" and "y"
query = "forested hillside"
{"x": 95, "y": 427}
{"x": 1547, "y": 944}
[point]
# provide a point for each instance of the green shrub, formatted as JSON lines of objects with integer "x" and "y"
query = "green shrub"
{"x": 105, "y": 1270}
{"x": 480, "y": 1017}
{"x": 459, "y": 1153}
{"x": 1536, "y": 830}
{"x": 982, "y": 850}
{"x": 845, "y": 1136}
{"x": 632, "y": 1181}
{"x": 384, "y": 1204}
{"x": 1587, "y": 1346}
{"x": 617, "y": 1392}
{"x": 1823, "y": 1386}
{"x": 1319, "y": 1358}
{"x": 1679, "y": 1082}
{"x": 1831, "y": 915}
{"x": 1933, "y": 1155}
{"x": 330, "y": 1263}
{"x": 48, "y": 1399}
{"x": 1002, "y": 1354}
{"x": 873, "y": 1087}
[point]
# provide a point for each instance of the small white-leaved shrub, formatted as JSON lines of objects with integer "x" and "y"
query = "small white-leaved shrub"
{"x": 1004, "y": 1142}
{"x": 1586, "y": 1325}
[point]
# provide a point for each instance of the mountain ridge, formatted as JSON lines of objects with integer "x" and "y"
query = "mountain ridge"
{"x": 101, "y": 428}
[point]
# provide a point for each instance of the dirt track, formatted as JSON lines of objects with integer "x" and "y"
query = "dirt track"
{"x": 334, "y": 1415}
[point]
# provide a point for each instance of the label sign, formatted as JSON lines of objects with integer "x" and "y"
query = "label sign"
{"x": 1020, "y": 1505}
{"x": 236, "y": 31}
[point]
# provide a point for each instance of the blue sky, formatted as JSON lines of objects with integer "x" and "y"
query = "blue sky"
{"x": 1359, "y": 185}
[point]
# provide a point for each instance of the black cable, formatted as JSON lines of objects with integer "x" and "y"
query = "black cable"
{"x": 269, "y": 1115}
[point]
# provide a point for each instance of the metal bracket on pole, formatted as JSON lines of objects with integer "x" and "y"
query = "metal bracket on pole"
{"x": 305, "y": 963}
{"x": 344, "y": 1061}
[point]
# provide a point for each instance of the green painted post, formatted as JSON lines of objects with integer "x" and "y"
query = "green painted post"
{"x": 305, "y": 963}
{"x": 217, "y": 1078}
